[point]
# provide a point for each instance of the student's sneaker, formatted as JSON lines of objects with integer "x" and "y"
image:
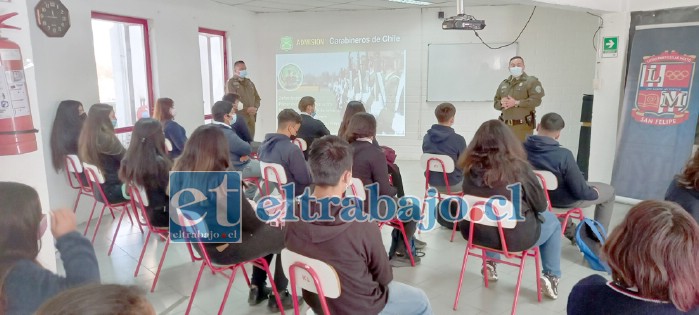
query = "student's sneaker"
{"x": 256, "y": 295}
{"x": 492, "y": 271}
{"x": 419, "y": 244}
{"x": 549, "y": 286}
{"x": 401, "y": 260}
{"x": 287, "y": 302}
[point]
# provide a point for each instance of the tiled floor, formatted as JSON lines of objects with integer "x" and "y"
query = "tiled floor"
{"x": 437, "y": 275}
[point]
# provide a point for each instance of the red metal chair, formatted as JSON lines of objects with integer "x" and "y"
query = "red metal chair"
{"x": 441, "y": 164}
{"x": 311, "y": 275}
{"x": 96, "y": 179}
{"x": 356, "y": 189}
{"x": 549, "y": 181}
{"x": 477, "y": 216}
{"x": 272, "y": 172}
{"x": 140, "y": 203}
{"x": 74, "y": 170}
{"x": 188, "y": 220}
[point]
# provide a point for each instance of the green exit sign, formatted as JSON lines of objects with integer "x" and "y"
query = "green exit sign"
{"x": 610, "y": 47}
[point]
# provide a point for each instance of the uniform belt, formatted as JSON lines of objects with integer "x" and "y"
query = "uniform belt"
{"x": 514, "y": 122}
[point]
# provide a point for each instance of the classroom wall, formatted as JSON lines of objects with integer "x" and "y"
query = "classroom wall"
{"x": 557, "y": 47}
{"x": 65, "y": 67}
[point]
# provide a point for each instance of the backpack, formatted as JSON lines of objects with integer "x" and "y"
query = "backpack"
{"x": 590, "y": 236}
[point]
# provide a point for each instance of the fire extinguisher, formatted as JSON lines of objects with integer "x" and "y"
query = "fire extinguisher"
{"x": 17, "y": 133}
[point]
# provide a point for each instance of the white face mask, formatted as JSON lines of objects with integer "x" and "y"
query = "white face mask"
{"x": 516, "y": 71}
{"x": 173, "y": 112}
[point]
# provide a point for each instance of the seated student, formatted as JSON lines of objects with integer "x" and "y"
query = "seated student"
{"x": 146, "y": 164}
{"x": 207, "y": 151}
{"x": 654, "y": 259}
{"x": 311, "y": 128}
{"x": 24, "y": 283}
{"x": 277, "y": 148}
{"x": 369, "y": 165}
{"x": 240, "y": 125}
{"x": 352, "y": 108}
{"x": 98, "y": 145}
{"x": 545, "y": 153}
{"x": 353, "y": 249}
{"x": 684, "y": 188}
{"x": 442, "y": 139}
{"x": 67, "y": 125}
{"x": 493, "y": 160}
{"x": 99, "y": 299}
{"x": 165, "y": 112}
{"x": 224, "y": 115}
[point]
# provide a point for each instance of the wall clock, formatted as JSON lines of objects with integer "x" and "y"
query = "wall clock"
{"x": 52, "y": 17}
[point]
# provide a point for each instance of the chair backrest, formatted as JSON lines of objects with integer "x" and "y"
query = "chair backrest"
{"x": 547, "y": 179}
{"x": 301, "y": 144}
{"x": 437, "y": 163}
{"x": 325, "y": 274}
{"x": 73, "y": 164}
{"x": 356, "y": 189}
{"x": 477, "y": 212}
{"x": 74, "y": 168}
{"x": 140, "y": 200}
{"x": 273, "y": 173}
{"x": 168, "y": 145}
{"x": 93, "y": 173}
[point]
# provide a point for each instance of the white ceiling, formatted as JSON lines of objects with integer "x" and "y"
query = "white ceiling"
{"x": 274, "y": 6}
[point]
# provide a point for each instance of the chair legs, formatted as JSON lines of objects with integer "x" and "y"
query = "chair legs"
{"x": 196, "y": 286}
{"x": 77, "y": 201}
{"x": 456, "y": 222}
{"x": 575, "y": 213}
{"x": 408, "y": 248}
{"x": 121, "y": 218}
{"x": 274, "y": 286}
{"x": 228, "y": 290}
{"x": 99, "y": 221}
{"x": 143, "y": 251}
{"x": 160, "y": 265}
{"x": 461, "y": 279}
{"x": 92, "y": 212}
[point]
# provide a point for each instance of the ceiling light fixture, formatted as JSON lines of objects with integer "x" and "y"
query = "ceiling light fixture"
{"x": 416, "y": 2}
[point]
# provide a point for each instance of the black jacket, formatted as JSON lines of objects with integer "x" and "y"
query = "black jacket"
{"x": 533, "y": 201}
{"x": 687, "y": 198}
{"x": 240, "y": 126}
{"x": 277, "y": 148}
{"x": 370, "y": 166}
{"x": 443, "y": 140}
{"x": 545, "y": 153}
{"x": 311, "y": 129}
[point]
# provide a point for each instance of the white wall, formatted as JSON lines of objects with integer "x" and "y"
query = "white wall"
{"x": 65, "y": 67}
{"x": 557, "y": 47}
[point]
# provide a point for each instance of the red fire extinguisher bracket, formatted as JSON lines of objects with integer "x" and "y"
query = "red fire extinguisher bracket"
{"x": 17, "y": 132}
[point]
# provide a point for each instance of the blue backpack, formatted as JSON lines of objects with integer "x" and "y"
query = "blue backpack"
{"x": 590, "y": 236}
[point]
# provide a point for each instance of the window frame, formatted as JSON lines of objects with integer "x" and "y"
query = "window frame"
{"x": 210, "y": 31}
{"x": 146, "y": 45}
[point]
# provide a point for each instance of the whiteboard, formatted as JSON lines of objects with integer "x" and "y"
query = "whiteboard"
{"x": 466, "y": 72}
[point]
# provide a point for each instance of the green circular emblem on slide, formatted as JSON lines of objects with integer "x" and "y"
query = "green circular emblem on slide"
{"x": 290, "y": 77}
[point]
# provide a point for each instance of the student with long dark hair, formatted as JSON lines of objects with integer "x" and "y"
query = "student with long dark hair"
{"x": 165, "y": 112}
{"x": 99, "y": 299}
{"x": 654, "y": 259}
{"x": 99, "y": 146}
{"x": 493, "y": 160}
{"x": 352, "y": 108}
{"x": 67, "y": 125}
{"x": 24, "y": 283}
{"x": 684, "y": 188}
{"x": 207, "y": 151}
{"x": 369, "y": 165}
{"x": 146, "y": 164}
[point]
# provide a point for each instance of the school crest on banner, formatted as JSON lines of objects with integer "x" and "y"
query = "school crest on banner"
{"x": 664, "y": 87}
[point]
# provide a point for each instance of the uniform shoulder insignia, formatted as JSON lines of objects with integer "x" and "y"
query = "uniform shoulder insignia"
{"x": 538, "y": 89}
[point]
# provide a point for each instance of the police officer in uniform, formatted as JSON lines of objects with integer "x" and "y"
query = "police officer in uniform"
{"x": 517, "y": 98}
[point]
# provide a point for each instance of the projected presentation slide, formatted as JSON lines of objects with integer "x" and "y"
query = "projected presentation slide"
{"x": 376, "y": 78}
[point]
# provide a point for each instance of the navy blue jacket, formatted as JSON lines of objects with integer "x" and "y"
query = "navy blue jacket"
{"x": 277, "y": 148}
{"x": 595, "y": 295}
{"x": 28, "y": 285}
{"x": 444, "y": 140}
{"x": 311, "y": 129}
{"x": 240, "y": 127}
{"x": 687, "y": 198}
{"x": 177, "y": 136}
{"x": 236, "y": 146}
{"x": 545, "y": 153}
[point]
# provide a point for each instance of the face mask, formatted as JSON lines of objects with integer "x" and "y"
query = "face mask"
{"x": 173, "y": 112}
{"x": 114, "y": 123}
{"x": 516, "y": 71}
{"x": 234, "y": 117}
{"x": 243, "y": 74}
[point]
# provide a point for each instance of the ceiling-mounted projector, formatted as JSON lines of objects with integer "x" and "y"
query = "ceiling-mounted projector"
{"x": 463, "y": 22}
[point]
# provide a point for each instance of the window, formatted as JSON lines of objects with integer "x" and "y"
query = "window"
{"x": 122, "y": 55}
{"x": 214, "y": 67}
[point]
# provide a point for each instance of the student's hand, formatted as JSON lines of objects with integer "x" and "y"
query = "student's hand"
{"x": 251, "y": 110}
{"x": 244, "y": 158}
{"x": 62, "y": 222}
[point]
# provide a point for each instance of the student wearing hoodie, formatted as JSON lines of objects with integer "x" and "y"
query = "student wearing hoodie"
{"x": 545, "y": 153}
{"x": 224, "y": 115}
{"x": 277, "y": 148}
{"x": 442, "y": 139}
{"x": 354, "y": 249}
